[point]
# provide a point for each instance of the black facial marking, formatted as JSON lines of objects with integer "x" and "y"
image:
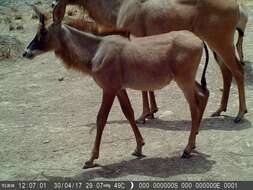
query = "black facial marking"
{"x": 40, "y": 40}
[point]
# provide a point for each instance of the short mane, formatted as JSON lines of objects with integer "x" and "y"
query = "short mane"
{"x": 94, "y": 28}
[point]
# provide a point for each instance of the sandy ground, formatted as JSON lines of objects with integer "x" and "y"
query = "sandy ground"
{"x": 48, "y": 114}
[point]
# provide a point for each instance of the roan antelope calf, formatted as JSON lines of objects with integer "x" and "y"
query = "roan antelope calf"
{"x": 116, "y": 63}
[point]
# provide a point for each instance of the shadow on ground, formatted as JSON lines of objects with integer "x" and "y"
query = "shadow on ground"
{"x": 150, "y": 167}
{"x": 224, "y": 123}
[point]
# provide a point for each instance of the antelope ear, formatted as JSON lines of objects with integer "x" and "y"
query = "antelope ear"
{"x": 40, "y": 14}
{"x": 59, "y": 12}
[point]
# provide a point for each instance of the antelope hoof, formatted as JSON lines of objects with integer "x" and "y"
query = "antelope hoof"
{"x": 240, "y": 116}
{"x": 150, "y": 116}
{"x": 154, "y": 111}
{"x": 216, "y": 114}
{"x": 89, "y": 164}
{"x": 186, "y": 155}
{"x": 138, "y": 154}
{"x": 141, "y": 121}
{"x": 143, "y": 117}
{"x": 237, "y": 119}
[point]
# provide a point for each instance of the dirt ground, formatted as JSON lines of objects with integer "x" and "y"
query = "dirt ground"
{"x": 48, "y": 114}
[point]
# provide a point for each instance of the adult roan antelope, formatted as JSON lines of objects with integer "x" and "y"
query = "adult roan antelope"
{"x": 214, "y": 21}
{"x": 146, "y": 63}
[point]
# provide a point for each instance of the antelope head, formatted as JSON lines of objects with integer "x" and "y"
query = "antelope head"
{"x": 45, "y": 38}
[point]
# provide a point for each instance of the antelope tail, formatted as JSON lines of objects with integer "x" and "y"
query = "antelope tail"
{"x": 203, "y": 77}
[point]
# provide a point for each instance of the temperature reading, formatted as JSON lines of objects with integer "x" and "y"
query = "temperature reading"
{"x": 119, "y": 185}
